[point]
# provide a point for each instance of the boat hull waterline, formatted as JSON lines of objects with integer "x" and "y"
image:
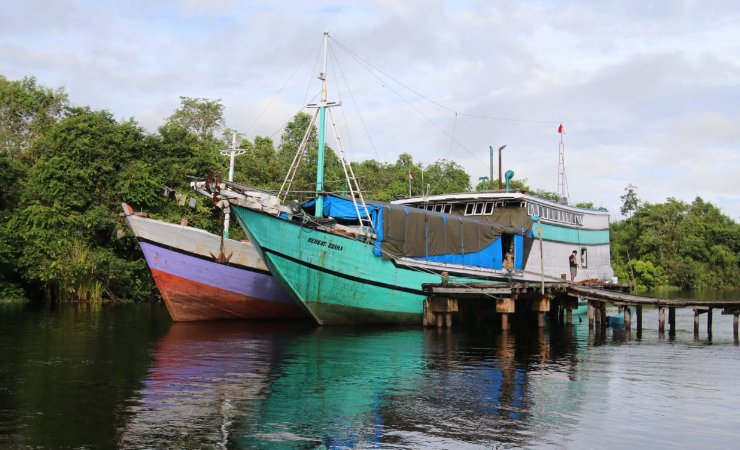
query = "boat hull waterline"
{"x": 195, "y": 287}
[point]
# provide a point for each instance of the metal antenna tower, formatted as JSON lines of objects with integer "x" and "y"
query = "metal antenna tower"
{"x": 562, "y": 190}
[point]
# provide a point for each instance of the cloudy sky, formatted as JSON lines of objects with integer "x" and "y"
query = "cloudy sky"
{"x": 648, "y": 91}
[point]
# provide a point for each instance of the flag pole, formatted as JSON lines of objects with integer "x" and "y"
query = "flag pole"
{"x": 409, "y": 183}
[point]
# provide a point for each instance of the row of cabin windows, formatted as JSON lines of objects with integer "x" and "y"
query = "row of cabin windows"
{"x": 483, "y": 208}
{"x": 554, "y": 214}
{"x": 486, "y": 208}
{"x": 439, "y": 207}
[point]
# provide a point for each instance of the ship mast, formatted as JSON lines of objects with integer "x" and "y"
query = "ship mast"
{"x": 231, "y": 152}
{"x": 322, "y": 105}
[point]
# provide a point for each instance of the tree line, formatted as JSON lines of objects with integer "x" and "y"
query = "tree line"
{"x": 65, "y": 169}
{"x": 675, "y": 243}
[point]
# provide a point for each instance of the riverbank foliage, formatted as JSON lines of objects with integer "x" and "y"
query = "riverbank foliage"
{"x": 65, "y": 169}
{"x": 688, "y": 245}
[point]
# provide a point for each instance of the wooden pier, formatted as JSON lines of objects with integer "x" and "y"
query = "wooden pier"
{"x": 559, "y": 299}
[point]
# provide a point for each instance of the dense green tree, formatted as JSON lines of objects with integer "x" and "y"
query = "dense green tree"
{"x": 514, "y": 185}
{"x": 685, "y": 245}
{"x": 27, "y": 110}
{"x": 86, "y": 165}
{"x": 545, "y": 194}
{"x": 189, "y": 148}
{"x": 259, "y": 165}
{"x": 630, "y": 202}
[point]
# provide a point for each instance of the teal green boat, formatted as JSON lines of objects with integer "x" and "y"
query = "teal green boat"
{"x": 345, "y": 278}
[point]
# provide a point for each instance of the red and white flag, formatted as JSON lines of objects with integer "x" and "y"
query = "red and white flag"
{"x": 411, "y": 175}
{"x": 560, "y": 129}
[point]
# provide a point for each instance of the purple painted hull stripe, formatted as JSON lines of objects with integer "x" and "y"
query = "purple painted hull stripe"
{"x": 253, "y": 284}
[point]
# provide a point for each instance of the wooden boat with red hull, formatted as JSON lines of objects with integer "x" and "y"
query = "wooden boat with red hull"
{"x": 196, "y": 286}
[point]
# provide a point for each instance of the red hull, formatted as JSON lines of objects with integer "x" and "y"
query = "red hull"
{"x": 188, "y": 300}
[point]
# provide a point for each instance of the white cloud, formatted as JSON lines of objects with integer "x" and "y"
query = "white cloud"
{"x": 648, "y": 92}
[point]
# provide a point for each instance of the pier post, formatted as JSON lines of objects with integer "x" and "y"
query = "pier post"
{"x": 661, "y": 320}
{"x": 590, "y": 315}
{"x": 541, "y": 306}
{"x": 709, "y": 323}
{"x": 569, "y": 317}
{"x": 638, "y": 314}
{"x": 505, "y": 306}
{"x": 696, "y": 321}
{"x": 438, "y": 311}
{"x": 671, "y": 321}
{"x": 734, "y": 327}
{"x": 428, "y": 318}
{"x": 602, "y": 313}
{"x": 628, "y": 318}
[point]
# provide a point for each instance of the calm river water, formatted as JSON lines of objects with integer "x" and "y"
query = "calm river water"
{"x": 125, "y": 376}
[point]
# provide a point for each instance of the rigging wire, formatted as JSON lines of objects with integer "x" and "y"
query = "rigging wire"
{"x": 354, "y": 103}
{"x": 377, "y": 72}
{"x": 369, "y": 64}
{"x": 285, "y": 83}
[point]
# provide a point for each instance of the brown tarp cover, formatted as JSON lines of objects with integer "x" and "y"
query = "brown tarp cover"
{"x": 409, "y": 231}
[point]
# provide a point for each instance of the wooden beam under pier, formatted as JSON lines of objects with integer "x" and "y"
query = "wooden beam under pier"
{"x": 564, "y": 297}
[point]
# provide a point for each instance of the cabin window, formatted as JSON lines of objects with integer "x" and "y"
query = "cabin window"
{"x": 438, "y": 208}
{"x": 469, "y": 209}
{"x": 448, "y": 208}
{"x": 489, "y": 208}
{"x": 479, "y": 208}
{"x": 584, "y": 258}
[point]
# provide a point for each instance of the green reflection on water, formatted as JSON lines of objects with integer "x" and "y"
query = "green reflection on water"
{"x": 330, "y": 387}
{"x": 66, "y": 371}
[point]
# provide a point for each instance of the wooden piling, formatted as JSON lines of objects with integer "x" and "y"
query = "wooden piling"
{"x": 541, "y": 306}
{"x": 602, "y": 312}
{"x": 569, "y": 317}
{"x": 590, "y": 315}
{"x": 628, "y": 318}
{"x": 429, "y": 320}
{"x": 661, "y": 320}
{"x": 697, "y": 313}
{"x": 709, "y": 323}
{"x": 671, "y": 321}
{"x": 440, "y": 319}
{"x": 448, "y": 320}
{"x": 505, "y": 306}
{"x": 638, "y": 314}
{"x": 734, "y": 326}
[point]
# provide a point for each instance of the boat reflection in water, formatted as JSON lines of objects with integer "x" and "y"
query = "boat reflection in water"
{"x": 244, "y": 385}
{"x": 203, "y": 378}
